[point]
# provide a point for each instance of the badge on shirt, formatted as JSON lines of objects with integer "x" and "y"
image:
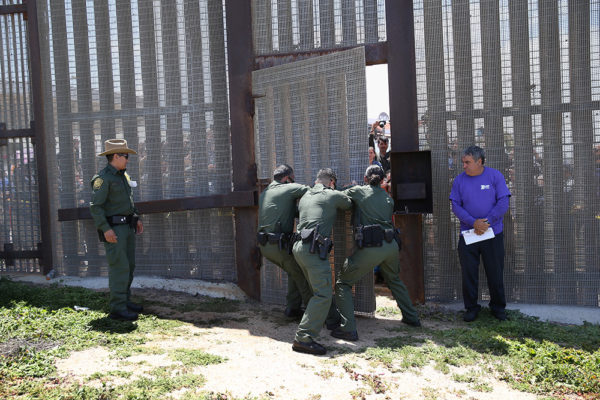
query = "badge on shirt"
{"x": 98, "y": 183}
{"x": 129, "y": 181}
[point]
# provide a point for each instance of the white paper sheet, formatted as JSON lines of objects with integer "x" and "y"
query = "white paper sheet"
{"x": 471, "y": 237}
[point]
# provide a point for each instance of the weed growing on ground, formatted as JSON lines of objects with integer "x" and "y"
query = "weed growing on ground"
{"x": 531, "y": 355}
{"x": 191, "y": 357}
{"x": 39, "y": 325}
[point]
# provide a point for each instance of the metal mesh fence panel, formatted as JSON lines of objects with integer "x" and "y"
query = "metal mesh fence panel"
{"x": 521, "y": 79}
{"x": 19, "y": 206}
{"x": 287, "y": 26}
{"x": 311, "y": 114}
{"x": 153, "y": 73}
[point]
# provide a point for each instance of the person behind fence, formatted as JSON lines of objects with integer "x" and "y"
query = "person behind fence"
{"x": 480, "y": 198}
{"x": 318, "y": 209}
{"x": 377, "y": 243}
{"x": 117, "y": 221}
{"x": 276, "y": 212}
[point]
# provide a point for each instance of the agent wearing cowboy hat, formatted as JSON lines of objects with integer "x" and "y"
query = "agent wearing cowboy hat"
{"x": 115, "y": 217}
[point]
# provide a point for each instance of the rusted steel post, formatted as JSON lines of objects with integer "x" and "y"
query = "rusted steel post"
{"x": 240, "y": 53}
{"x": 35, "y": 60}
{"x": 402, "y": 83}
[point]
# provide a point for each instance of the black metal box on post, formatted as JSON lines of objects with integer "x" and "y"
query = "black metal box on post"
{"x": 412, "y": 193}
{"x": 411, "y": 182}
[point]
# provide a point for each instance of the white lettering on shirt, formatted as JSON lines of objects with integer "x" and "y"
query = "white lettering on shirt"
{"x": 484, "y": 187}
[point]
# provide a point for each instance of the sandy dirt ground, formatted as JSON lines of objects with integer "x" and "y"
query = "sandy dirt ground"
{"x": 261, "y": 364}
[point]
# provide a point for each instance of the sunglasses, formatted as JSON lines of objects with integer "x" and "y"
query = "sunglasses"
{"x": 123, "y": 155}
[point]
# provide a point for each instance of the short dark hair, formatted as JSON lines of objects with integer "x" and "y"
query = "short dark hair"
{"x": 374, "y": 175}
{"x": 110, "y": 157}
{"x": 326, "y": 173}
{"x": 282, "y": 171}
{"x": 476, "y": 152}
{"x": 382, "y": 139}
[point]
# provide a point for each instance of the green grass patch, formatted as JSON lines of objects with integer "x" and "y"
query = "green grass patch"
{"x": 533, "y": 356}
{"x": 195, "y": 357}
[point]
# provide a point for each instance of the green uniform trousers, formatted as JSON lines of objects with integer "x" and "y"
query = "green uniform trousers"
{"x": 121, "y": 264}
{"x": 298, "y": 292}
{"x": 320, "y": 308}
{"x": 362, "y": 262}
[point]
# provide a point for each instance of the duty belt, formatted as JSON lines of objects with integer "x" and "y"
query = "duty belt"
{"x": 374, "y": 235}
{"x": 284, "y": 240}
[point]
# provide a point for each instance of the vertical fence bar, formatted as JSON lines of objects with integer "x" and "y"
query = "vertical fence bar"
{"x": 403, "y": 111}
{"x": 585, "y": 200}
{"x": 46, "y": 221}
{"x": 241, "y": 60}
{"x": 194, "y": 36}
{"x": 65, "y": 156}
{"x": 559, "y": 247}
{"x": 529, "y": 264}
{"x": 152, "y": 164}
{"x": 127, "y": 82}
{"x": 348, "y": 23}
{"x": 463, "y": 71}
{"x": 105, "y": 69}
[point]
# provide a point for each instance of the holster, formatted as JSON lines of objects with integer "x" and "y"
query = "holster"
{"x": 397, "y": 232}
{"x": 261, "y": 238}
{"x": 358, "y": 236}
{"x": 373, "y": 236}
{"x": 134, "y": 221}
{"x": 325, "y": 245}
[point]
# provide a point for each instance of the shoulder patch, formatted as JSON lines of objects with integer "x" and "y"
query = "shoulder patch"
{"x": 98, "y": 183}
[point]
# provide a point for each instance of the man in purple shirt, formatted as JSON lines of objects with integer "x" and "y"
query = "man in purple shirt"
{"x": 479, "y": 199}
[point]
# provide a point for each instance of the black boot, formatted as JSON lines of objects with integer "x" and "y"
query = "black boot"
{"x": 340, "y": 334}
{"x": 131, "y": 306}
{"x": 311, "y": 347}
{"x": 124, "y": 315}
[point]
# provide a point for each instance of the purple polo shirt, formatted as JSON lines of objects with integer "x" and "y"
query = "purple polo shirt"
{"x": 481, "y": 196}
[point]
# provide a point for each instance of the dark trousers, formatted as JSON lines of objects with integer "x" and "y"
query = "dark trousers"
{"x": 492, "y": 253}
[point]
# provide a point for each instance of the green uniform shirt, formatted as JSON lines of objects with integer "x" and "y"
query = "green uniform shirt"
{"x": 319, "y": 206}
{"x": 111, "y": 195}
{"x": 375, "y": 205}
{"x": 277, "y": 203}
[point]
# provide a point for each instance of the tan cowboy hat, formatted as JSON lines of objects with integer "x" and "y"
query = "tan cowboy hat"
{"x": 113, "y": 146}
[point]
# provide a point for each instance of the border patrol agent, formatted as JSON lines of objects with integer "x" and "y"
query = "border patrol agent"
{"x": 115, "y": 217}
{"x": 377, "y": 243}
{"x": 318, "y": 209}
{"x": 277, "y": 209}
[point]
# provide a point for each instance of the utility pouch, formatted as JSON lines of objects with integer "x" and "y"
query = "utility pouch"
{"x": 261, "y": 238}
{"x": 372, "y": 236}
{"x": 388, "y": 235}
{"x": 273, "y": 237}
{"x": 358, "y": 236}
{"x": 101, "y": 236}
